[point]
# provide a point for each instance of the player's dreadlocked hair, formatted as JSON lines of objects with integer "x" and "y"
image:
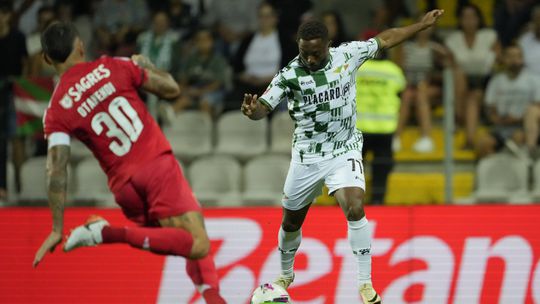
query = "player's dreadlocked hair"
{"x": 312, "y": 29}
{"x": 57, "y": 41}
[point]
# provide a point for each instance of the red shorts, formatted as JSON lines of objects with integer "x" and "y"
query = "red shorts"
{"x": 158, "y": 190}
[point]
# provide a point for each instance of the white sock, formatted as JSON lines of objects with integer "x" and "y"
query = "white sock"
{"x": 288, "y": 244}
{"x": 360, "y": 240}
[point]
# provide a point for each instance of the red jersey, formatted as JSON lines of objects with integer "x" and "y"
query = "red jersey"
{"x": 97, "y": 102}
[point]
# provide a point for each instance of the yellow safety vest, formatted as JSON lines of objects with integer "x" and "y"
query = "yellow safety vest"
{"x": 378, "y": 83}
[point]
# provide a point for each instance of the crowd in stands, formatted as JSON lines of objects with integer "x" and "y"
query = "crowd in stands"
{"x": 220, "y": 49}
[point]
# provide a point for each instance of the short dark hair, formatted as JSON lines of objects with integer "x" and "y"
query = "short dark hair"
{"x": 57, "y": 40}
{"x": 477, "y": 11}
{"x": 312, "y": 29}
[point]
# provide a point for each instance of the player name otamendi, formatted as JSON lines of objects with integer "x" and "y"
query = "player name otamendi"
{"x": 99, "y": 95}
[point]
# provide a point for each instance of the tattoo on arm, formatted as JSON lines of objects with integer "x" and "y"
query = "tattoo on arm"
{"x": 161, "y": 84}
{"x": 57, "y": 160}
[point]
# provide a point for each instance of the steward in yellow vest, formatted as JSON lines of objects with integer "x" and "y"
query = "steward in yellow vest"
{"x": 378, "y": 84}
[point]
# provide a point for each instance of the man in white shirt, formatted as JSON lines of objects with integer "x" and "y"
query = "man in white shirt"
{"x": 509, "y": 96}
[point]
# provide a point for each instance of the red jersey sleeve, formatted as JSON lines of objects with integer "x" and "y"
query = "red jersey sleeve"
{"x": 136, "y": 74}
{"x": 52, "y": 122}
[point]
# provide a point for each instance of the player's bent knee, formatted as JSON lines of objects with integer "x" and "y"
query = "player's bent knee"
{"x": 354, "y": 209}
{"x": 355, "y": 212}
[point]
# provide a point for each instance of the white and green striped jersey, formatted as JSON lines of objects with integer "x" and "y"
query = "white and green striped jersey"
{"x": 322, "y": 103}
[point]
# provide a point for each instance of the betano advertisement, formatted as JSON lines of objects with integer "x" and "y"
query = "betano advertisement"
{"x": 477, "y": 254}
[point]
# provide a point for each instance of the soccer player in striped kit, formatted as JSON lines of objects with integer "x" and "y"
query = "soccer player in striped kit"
{"x": 319, "y": 87}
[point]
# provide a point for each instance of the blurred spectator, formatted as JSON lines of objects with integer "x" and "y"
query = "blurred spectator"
{"x": 44, "y": 16}
{"x": 25, "y": 12}
{"x": 509, "y": 95}
{"x": 198, "y": 7}
{"x": 334, "y": 24}
{"x": 378, "y": 85}
{"x": 158, "y": 42}
{"x": 158, "y": 45}
{"x": 65, "y": 12}
{"x": 418, "y": 58}
{"x": 474, "y": 48}
{"x": 80, "y": 16}
{"x": 13, "y": 57}
{"x": 37, "y": 66}
{"x": 233, "y": 21}
{"x": 182, "y": 19}
{"x": 530, "y": 43}
{"x": 202, "y": 76}
{"x": 290, "y": 15}
{"x": 116, "y": 21}
{"x": 261, "y": 55}
{"x": 357, "y": 16}
{"x": 510, "y": 17}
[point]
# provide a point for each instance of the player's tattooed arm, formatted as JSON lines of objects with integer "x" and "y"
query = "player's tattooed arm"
{"x": 57, "y": 160}
{"x": 394, "y": 36}
{"x": 158, "y": 82}
{"x": 253, "y": 108}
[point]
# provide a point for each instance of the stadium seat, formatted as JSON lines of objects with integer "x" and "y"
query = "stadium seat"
{"x": 34, "y": 181}
{"x": 91, "y": 184}
{"x": 501, "y": 178}
{"x": 282, "y": 128}
{"x": 190, "y": 134}
{"x": 241, "y": 137}
{"x": 411, "y": 134}
{"x": 11, "y": 186}
{"x": 215, "y": 180}
{"x": 264, "y": 177}
{"x": 423, "y": 188}
{"x": 535, "y": 193}
{"x": 79, "y": 151}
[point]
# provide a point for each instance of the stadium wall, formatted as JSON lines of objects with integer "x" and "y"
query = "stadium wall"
{"x": 439, "y": 254}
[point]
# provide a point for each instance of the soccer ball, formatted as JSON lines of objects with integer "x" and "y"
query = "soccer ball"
{"x": 269, "y": 293}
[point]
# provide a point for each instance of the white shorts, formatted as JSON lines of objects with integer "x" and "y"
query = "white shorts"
{"x": 304, "y": 182}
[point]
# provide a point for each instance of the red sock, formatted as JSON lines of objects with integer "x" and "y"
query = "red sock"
{"x": 211, "y": 296}
{"x": 112, "y": 235}
{"x": 203, "y": 272}
{"x": 166, "y": 241}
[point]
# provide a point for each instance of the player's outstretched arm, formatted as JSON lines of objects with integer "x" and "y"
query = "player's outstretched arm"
{"x": 57, "y": 160}
{"x": 394, "y": 36}
{"x": 158, "y": 82}
{"x": 252, "y": 108}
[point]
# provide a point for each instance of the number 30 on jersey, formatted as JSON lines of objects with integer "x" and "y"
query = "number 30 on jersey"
{"x": 123, "y": 124}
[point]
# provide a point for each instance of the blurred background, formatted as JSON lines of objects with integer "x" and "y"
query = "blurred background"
{"x": 462, "y": 97}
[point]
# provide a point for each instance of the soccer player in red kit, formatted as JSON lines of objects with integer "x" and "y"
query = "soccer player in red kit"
{"x": 97, "y": 102}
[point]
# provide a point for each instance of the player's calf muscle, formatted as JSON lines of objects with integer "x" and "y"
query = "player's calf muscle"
{"x": 189, "y": 220}
{"x": 193, "y": 223}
